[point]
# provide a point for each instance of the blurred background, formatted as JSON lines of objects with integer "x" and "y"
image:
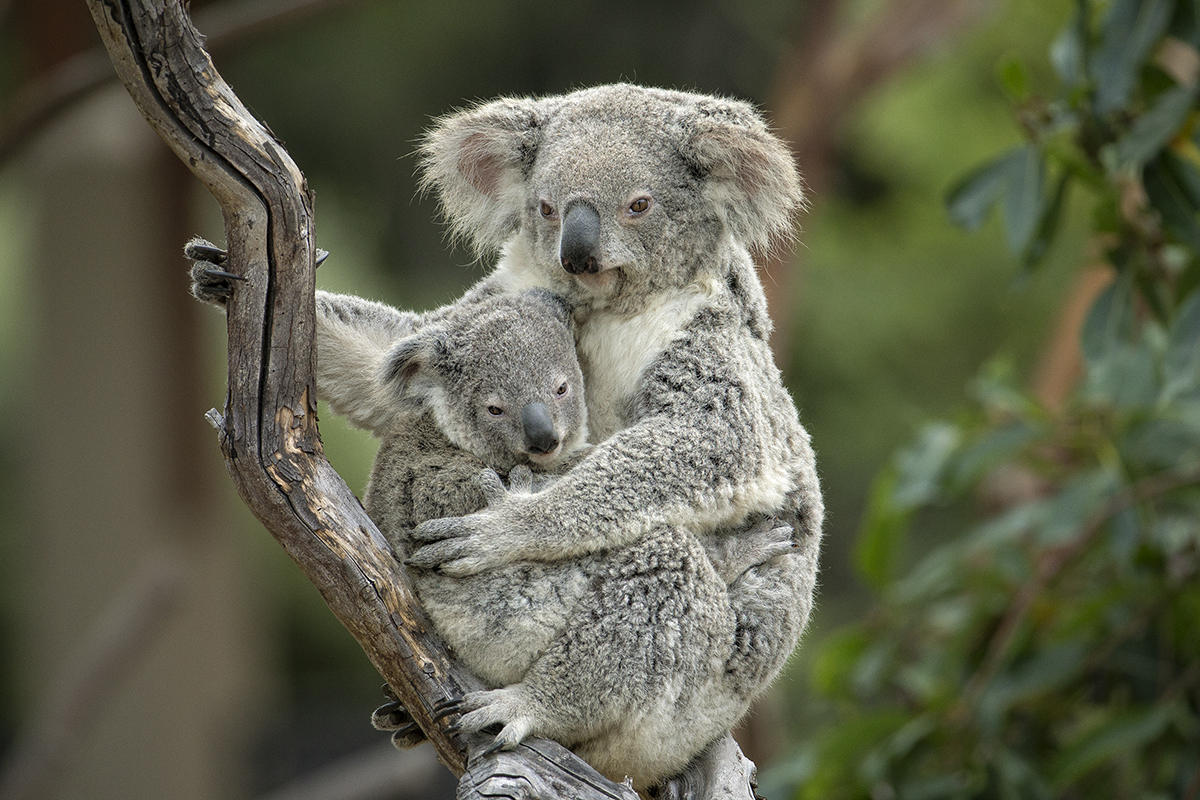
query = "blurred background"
{"x": 154, "y": 641}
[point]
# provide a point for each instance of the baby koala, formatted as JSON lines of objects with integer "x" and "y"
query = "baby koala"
{"x": 495, "y": 387}
{"x": 610, "y": 653}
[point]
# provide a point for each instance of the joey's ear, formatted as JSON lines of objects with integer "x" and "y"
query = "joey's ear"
{"x": 410, "y": 363}
{"x": 478, "y": 160}
{"x": 559, "y": 306}
{"x": 750, "y": 174}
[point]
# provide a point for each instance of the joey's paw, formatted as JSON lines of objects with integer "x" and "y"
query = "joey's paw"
{"x": 520, "y": 480}
{"x": 211, "y": 283}
{"x": 763, "y": 542}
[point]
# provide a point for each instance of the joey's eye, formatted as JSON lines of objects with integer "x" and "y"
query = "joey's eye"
{"x": 562, "y": 390}
{"x": 495, "y": 411}
{"x": 547, "y": 210}
{"x": 639, "y": 206}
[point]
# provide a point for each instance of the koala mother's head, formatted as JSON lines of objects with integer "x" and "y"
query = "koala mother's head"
{"x": 613, "y": 192}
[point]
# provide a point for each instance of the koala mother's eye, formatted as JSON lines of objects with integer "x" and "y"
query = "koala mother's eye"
{"x": 495, "y": 411}
{"x": 640, "y": 206}
{"x": 547, "y": 210}
{"x": 562, "y": 390}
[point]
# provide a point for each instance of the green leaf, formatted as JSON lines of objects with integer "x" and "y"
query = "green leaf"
{"x": 969, "y": 201}
{"x": 1162, "y": 442}
{"x": 920, "y": 467}
{"x": 1181, "y": 365}
{"x": 1123, "y": 733}
{"x": 1024, "y": 197}
{"x": 1047, "y": 226}
{"x": 836, "y": 659}
{"x": 990, "y": 450}
{"x": 1151, "y": 131}
{"x": 1013, "y": 78}
{"x": 1070, "y": 509}
{"x": 1130, "y": 30}
{"x": 884, "y": 530}
{"x": 1173, "y": 188}
{"x": 1068, "y": 52}
{"x": 1109, "y": 323}
{"x": 1047, "y": 669}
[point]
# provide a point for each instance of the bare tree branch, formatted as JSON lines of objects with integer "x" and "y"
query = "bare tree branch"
{"x": 41, "y": 99}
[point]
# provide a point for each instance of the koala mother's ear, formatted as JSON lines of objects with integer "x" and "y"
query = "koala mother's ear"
{"x": 407, "y": 368}
{"x": 748, "y": 172}
{"x": 477, "y": 161}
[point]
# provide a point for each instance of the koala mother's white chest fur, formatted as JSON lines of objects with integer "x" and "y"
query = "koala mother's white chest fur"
{"x": 615, "y": 349}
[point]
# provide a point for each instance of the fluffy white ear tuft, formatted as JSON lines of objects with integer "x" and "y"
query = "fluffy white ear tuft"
{"x": 476, "y": 160}
{"x": 750, "y": 173}
{"x": 406, "y": 368}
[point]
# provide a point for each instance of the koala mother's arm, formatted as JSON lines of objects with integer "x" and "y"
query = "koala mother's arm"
{"x": 697, "y": 468}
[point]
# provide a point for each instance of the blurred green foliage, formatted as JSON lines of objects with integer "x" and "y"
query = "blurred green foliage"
{"x": 1050, "y": 648}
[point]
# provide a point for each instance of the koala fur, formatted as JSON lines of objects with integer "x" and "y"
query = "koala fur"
{"x": 512, "y": 353}
{"x": 641, "y": 207}
{"x": 535, "y": 629}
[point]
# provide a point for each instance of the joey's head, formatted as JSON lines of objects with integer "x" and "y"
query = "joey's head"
{"x": 616, "y": 193}
{"x": 502, "y": 379}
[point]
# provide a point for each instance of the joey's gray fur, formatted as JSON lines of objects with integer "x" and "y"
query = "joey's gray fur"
{"x": 641, "y": 207}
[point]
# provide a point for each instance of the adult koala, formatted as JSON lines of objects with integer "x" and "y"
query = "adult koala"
{"x": 641, "y": 207}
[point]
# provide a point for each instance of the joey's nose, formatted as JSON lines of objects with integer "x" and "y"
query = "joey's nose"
{"x": 580, "y": 240}
{"x": 540, "y": 436}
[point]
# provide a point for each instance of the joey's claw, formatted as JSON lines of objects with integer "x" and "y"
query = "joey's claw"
{"x": 220, "y": 274}
{"x": 405, "y": 731}
{"x": 321, "y": 256}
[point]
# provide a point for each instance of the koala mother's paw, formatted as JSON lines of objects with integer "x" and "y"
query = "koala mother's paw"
{"x": 210, "y": 283}
{"x": 507, "y": 707}
{"x": 454, "y": 546}
{"x": 393, "y": 717}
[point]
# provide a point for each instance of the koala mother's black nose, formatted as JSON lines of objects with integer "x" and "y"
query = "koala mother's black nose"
{"x": 580, "y": 240}
{"x": 540, "y": 436}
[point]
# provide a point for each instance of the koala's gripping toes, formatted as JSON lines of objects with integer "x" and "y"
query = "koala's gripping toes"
{"x": 210, "y": 283}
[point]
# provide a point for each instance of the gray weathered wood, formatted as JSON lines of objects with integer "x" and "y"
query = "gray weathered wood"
{"x": 268, "y": 431}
